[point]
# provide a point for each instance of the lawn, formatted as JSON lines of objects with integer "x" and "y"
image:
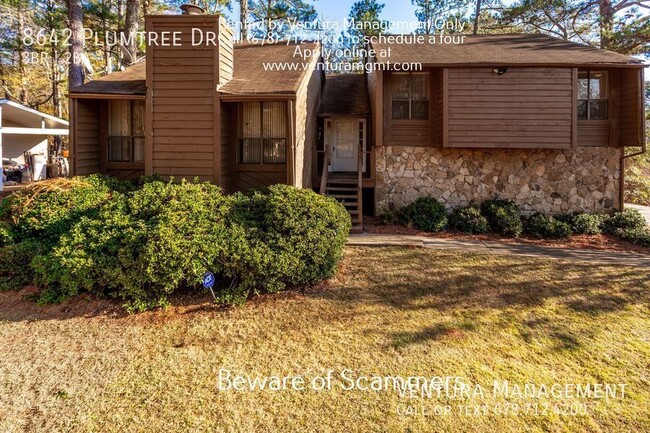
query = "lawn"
{"x": 87, "y": 366}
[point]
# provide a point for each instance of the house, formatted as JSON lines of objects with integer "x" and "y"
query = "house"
{"x": 23, "y": 129}
{"x": 527, "y": 117}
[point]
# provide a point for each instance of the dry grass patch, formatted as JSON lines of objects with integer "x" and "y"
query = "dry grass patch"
{"x": 85, "y": 366}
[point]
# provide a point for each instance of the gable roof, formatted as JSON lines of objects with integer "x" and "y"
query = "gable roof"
{"x": 250, "y": 74}
{"x": 131, "y": 81}
{"x": 503, "y": 49}
{"x": 344, "y": 95}
{"x": 252, "y": 77}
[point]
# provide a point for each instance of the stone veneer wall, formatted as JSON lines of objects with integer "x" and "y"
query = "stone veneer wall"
{"x": 539, "y": 180}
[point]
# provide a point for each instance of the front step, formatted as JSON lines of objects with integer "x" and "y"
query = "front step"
{"x": 346, "y": 189}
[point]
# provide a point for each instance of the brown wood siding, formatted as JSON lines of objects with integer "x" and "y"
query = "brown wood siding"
{"x": 523, "y": 108}
{"x": 125, "y": 174}
{"x": 593, "y": 133}
{"x": 249, "y": 180}
{"x": 182, "y": 83}
{"x": 306, "y": 124}
{"x": 630, "y": 107}
{"x": 226, "y": 52}
{"x": 438, "y": 107}
{"x": 87, "y": 137}
{"x": 227, "y": 139}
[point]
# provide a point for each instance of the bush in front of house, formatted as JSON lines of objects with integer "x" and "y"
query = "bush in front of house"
{"x": 46, "y": 210}
{"x": 427, "y": 213}
{"x": 545, "y": 226}
{"x": 292, "y": 237}
{"x": 636, "y": 236}
{"x": 583, "y": 223}
{"x": 469, "y": 220}
{"x": 394, "y": 217}
{"x": 141, "y": 247}
{"x": 629, "y": 220}
{"x": 503, "y": 216}
{"x": 144, "y": 244}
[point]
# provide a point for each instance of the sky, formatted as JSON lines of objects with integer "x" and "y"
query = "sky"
{"x": 338, "y": 10}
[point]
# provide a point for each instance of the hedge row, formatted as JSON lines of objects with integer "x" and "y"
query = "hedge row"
{"x": 503, "y": 216}
{"x": 140, "y": 243}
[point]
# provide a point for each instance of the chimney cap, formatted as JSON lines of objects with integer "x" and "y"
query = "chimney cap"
{"x": 189, "y": 9}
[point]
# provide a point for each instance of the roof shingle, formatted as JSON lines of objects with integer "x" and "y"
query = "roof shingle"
{"x": 344, "y": 95}
{"x": 250, "y": 74}
{"x": 503, "y": 49}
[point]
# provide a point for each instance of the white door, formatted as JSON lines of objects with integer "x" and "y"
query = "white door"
{"x": 345, "y": 144}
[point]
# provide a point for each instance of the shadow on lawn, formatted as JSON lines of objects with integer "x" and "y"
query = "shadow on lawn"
{"x": 419, "y": 279}
{"x": 406, "y": 279}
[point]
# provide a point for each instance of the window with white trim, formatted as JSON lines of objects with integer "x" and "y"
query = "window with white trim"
{"x": 592, "y": 95}
{"x": 410, "y": 96}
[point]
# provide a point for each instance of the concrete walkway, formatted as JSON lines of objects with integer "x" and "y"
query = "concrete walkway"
{"x": 645, "y": 210}
{"x": 499, "y": 248}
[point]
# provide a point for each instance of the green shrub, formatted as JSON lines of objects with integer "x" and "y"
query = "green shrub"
{"x": 628, "y": 220}
{"x": 426, "y": 213}
{"x": 582, "y": 223}
{"x": 6, "y": 236}
{"x": 394, "y": 217}
{"x": 469, "y": 220}
{"x": 293, "y": 237}
{"x": 143, "y": 245}
{"x": 47, "y": 210}
{"x": 503, "y": 216}
{"x": 547, "y": 227}
{"x": 636, "y": 236}
{"x": 15, "y": 264}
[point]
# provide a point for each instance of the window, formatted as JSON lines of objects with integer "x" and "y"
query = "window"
{"x": 410, "y": 96}
{"x": 592, "y": 95}
{"x": 126, "y": 131}
{"x": 262, "y": 133}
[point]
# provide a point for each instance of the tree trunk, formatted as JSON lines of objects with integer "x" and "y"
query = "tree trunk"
{"x": 131, "y": 29}
{"x": 477, "y": 16}
{"x": 75, "y": 16}
{"x": 22, "y": 92}
{"x": 243, "y": 19}
{"x": 606, "y": 22}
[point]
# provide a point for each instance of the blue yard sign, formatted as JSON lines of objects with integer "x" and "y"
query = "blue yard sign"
{"x": 208, "y": 282}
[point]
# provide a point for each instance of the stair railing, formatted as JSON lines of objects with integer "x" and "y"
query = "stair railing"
{"x": 326, "y": 169}
{"x": 360, "y": 185}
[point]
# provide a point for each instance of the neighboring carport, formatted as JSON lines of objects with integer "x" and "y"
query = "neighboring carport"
{"x": 23, "y": 129}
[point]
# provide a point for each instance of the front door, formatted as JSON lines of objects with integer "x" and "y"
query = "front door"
{"x": 345, "y": 144}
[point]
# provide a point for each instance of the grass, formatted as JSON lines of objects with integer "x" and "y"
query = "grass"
{"x": 86, "y": 366}
{"x": 637, "y": 177}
